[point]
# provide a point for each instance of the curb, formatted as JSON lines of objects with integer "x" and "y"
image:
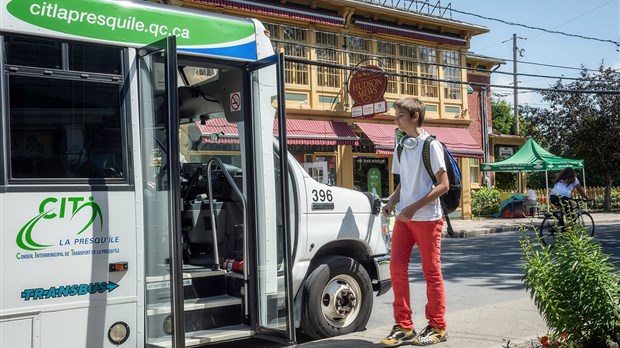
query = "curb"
{"x": 477, "y": 232}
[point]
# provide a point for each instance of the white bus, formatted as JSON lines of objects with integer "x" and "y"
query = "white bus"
{"x": 120, "y": 226}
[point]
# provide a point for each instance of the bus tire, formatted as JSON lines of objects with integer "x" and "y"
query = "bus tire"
{"x": 337, "y": 298}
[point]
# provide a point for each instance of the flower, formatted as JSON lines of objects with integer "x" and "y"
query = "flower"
{"x": 544, "y": 341}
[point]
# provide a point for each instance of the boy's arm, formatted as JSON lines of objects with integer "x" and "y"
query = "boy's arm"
{"x": 394, "y": 198}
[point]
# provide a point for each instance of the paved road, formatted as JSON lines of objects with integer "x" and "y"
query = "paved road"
{"x": 483, "y": 281}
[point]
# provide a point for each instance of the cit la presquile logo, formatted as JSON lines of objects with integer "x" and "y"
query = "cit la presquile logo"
{"x": 59, "y": 209}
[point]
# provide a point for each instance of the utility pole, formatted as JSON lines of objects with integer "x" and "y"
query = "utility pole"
{"x": 485, "y": 131}
{"x": 515, "y": 82}
{"x": 515, "y": 53}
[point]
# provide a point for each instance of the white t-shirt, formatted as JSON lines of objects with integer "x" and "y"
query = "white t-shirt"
{"x": 415, "y": 182}
{"x": 531, "y": 195}
{"x": 560, "y": 188}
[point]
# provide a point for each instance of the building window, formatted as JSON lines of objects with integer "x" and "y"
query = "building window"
{"x": 451, "y": 72}
{"x": 408, "y": 66}
{"x": 431, "y": 107}
{"x": 474, "y": 170}
{"x": 328, "y": 77}
{"x": 299, "y": 97}
{"x": 453, "y": 110}
{"x": 357, "y": 44}
{"x": 329, "y": 99}
{"x": 388, "y": 51}
{"x": 274, "y": 35}
{"x": 428, "y": 70}
{"x": 292, "y": 41}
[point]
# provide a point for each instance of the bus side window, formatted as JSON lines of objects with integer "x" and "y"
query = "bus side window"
{"x": 69, "y": 127}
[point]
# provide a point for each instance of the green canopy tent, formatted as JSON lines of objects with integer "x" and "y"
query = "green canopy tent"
{"x": 531, "y": 157}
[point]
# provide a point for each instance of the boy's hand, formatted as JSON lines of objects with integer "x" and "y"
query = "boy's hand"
{"x": 387, "y": 210}
{"x": 407, "y": 214}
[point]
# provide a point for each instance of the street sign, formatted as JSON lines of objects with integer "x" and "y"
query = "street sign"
{"x": 367, "y": 88}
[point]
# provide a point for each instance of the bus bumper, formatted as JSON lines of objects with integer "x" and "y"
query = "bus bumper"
{"x": 383, "y": 283}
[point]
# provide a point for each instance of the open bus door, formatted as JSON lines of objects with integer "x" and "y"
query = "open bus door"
{"x": 187, "y": 291}
{"x": 160, "y": 163}
{"x": 274, "y": 311}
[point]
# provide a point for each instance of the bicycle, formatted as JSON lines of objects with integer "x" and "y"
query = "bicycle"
{"x": 550, "y": 227}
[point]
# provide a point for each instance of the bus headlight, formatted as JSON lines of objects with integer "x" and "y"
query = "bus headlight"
{"x": 118, "y": 333}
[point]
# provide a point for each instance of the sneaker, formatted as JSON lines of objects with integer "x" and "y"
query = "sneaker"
{"x": 399, "y": 336}
{"x": 430, "y": 335}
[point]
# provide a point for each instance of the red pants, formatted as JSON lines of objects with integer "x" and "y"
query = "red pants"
{"x": 427, "y": 234}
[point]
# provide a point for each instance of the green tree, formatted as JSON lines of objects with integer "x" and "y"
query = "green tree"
{"x": 583, "y": 121}
{"x": 503, "y": 118}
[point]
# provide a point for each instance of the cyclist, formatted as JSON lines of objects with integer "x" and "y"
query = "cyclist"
{"x": 562, "y": 191}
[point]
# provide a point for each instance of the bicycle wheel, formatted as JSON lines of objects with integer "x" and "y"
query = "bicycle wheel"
{"x": 586, "y": 220}
{"x": 548, "y": 230}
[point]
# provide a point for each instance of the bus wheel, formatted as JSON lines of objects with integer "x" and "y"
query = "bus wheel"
{"x": 337, "y": 298}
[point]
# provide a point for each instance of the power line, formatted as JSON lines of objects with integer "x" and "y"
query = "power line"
{"x": 382, "y": 58}
{"x": 551, "y": 65}
{"x": 581, "y": 15}
{"x": 335, "y": 49}
{"x": 424, "y": 78}
{"x": 616, "y": 43}
{"x": 545, "y": 76}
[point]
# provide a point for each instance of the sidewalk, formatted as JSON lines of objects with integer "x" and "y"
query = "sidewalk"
{"x": 482, "y": 226}
{"x": 482, "y": 327}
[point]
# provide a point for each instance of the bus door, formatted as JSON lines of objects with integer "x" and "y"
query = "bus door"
{"x": 274, "y": 305}
{"x": 198, "y": 282}
{"x": 160, "y": 173}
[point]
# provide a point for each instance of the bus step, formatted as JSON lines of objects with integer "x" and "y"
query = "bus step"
{"x": 195, "y": 304}
{"x": 195, "y": 285}
{"x": 192, "y": 272}
{"x": 200, "y": 314}
{"x": 205, "y": 337}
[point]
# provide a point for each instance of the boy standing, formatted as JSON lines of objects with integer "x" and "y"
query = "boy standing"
{"x": 418, "y": 221}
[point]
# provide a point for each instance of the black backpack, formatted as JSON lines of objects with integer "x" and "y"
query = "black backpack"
{"x": 451, "y": 200}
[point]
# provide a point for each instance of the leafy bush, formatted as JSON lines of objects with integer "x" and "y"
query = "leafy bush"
{"x": 598, "y": 201}
{"x": 615, "y": 199}
{"x": 575, "y": 287}
{"x": 485, "y": 201}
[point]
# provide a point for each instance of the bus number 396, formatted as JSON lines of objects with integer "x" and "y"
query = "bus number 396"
{"x": 322, "y": 195}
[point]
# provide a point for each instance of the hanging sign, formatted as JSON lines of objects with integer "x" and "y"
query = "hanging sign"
{"x": 367, "y": 89}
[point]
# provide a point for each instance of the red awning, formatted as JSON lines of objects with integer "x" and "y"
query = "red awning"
{"x": 317, "y": 132}
{"x": 227, "y": 133}
{"x": 299, "y": 132}
{"x": 382, "y": 135}
{"x": 458, "y": 140}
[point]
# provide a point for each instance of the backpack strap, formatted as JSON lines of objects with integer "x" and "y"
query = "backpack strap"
{"x": 426, "y": 157}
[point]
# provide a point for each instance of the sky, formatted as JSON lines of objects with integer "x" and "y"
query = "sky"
{"x": 595, "y": 18}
